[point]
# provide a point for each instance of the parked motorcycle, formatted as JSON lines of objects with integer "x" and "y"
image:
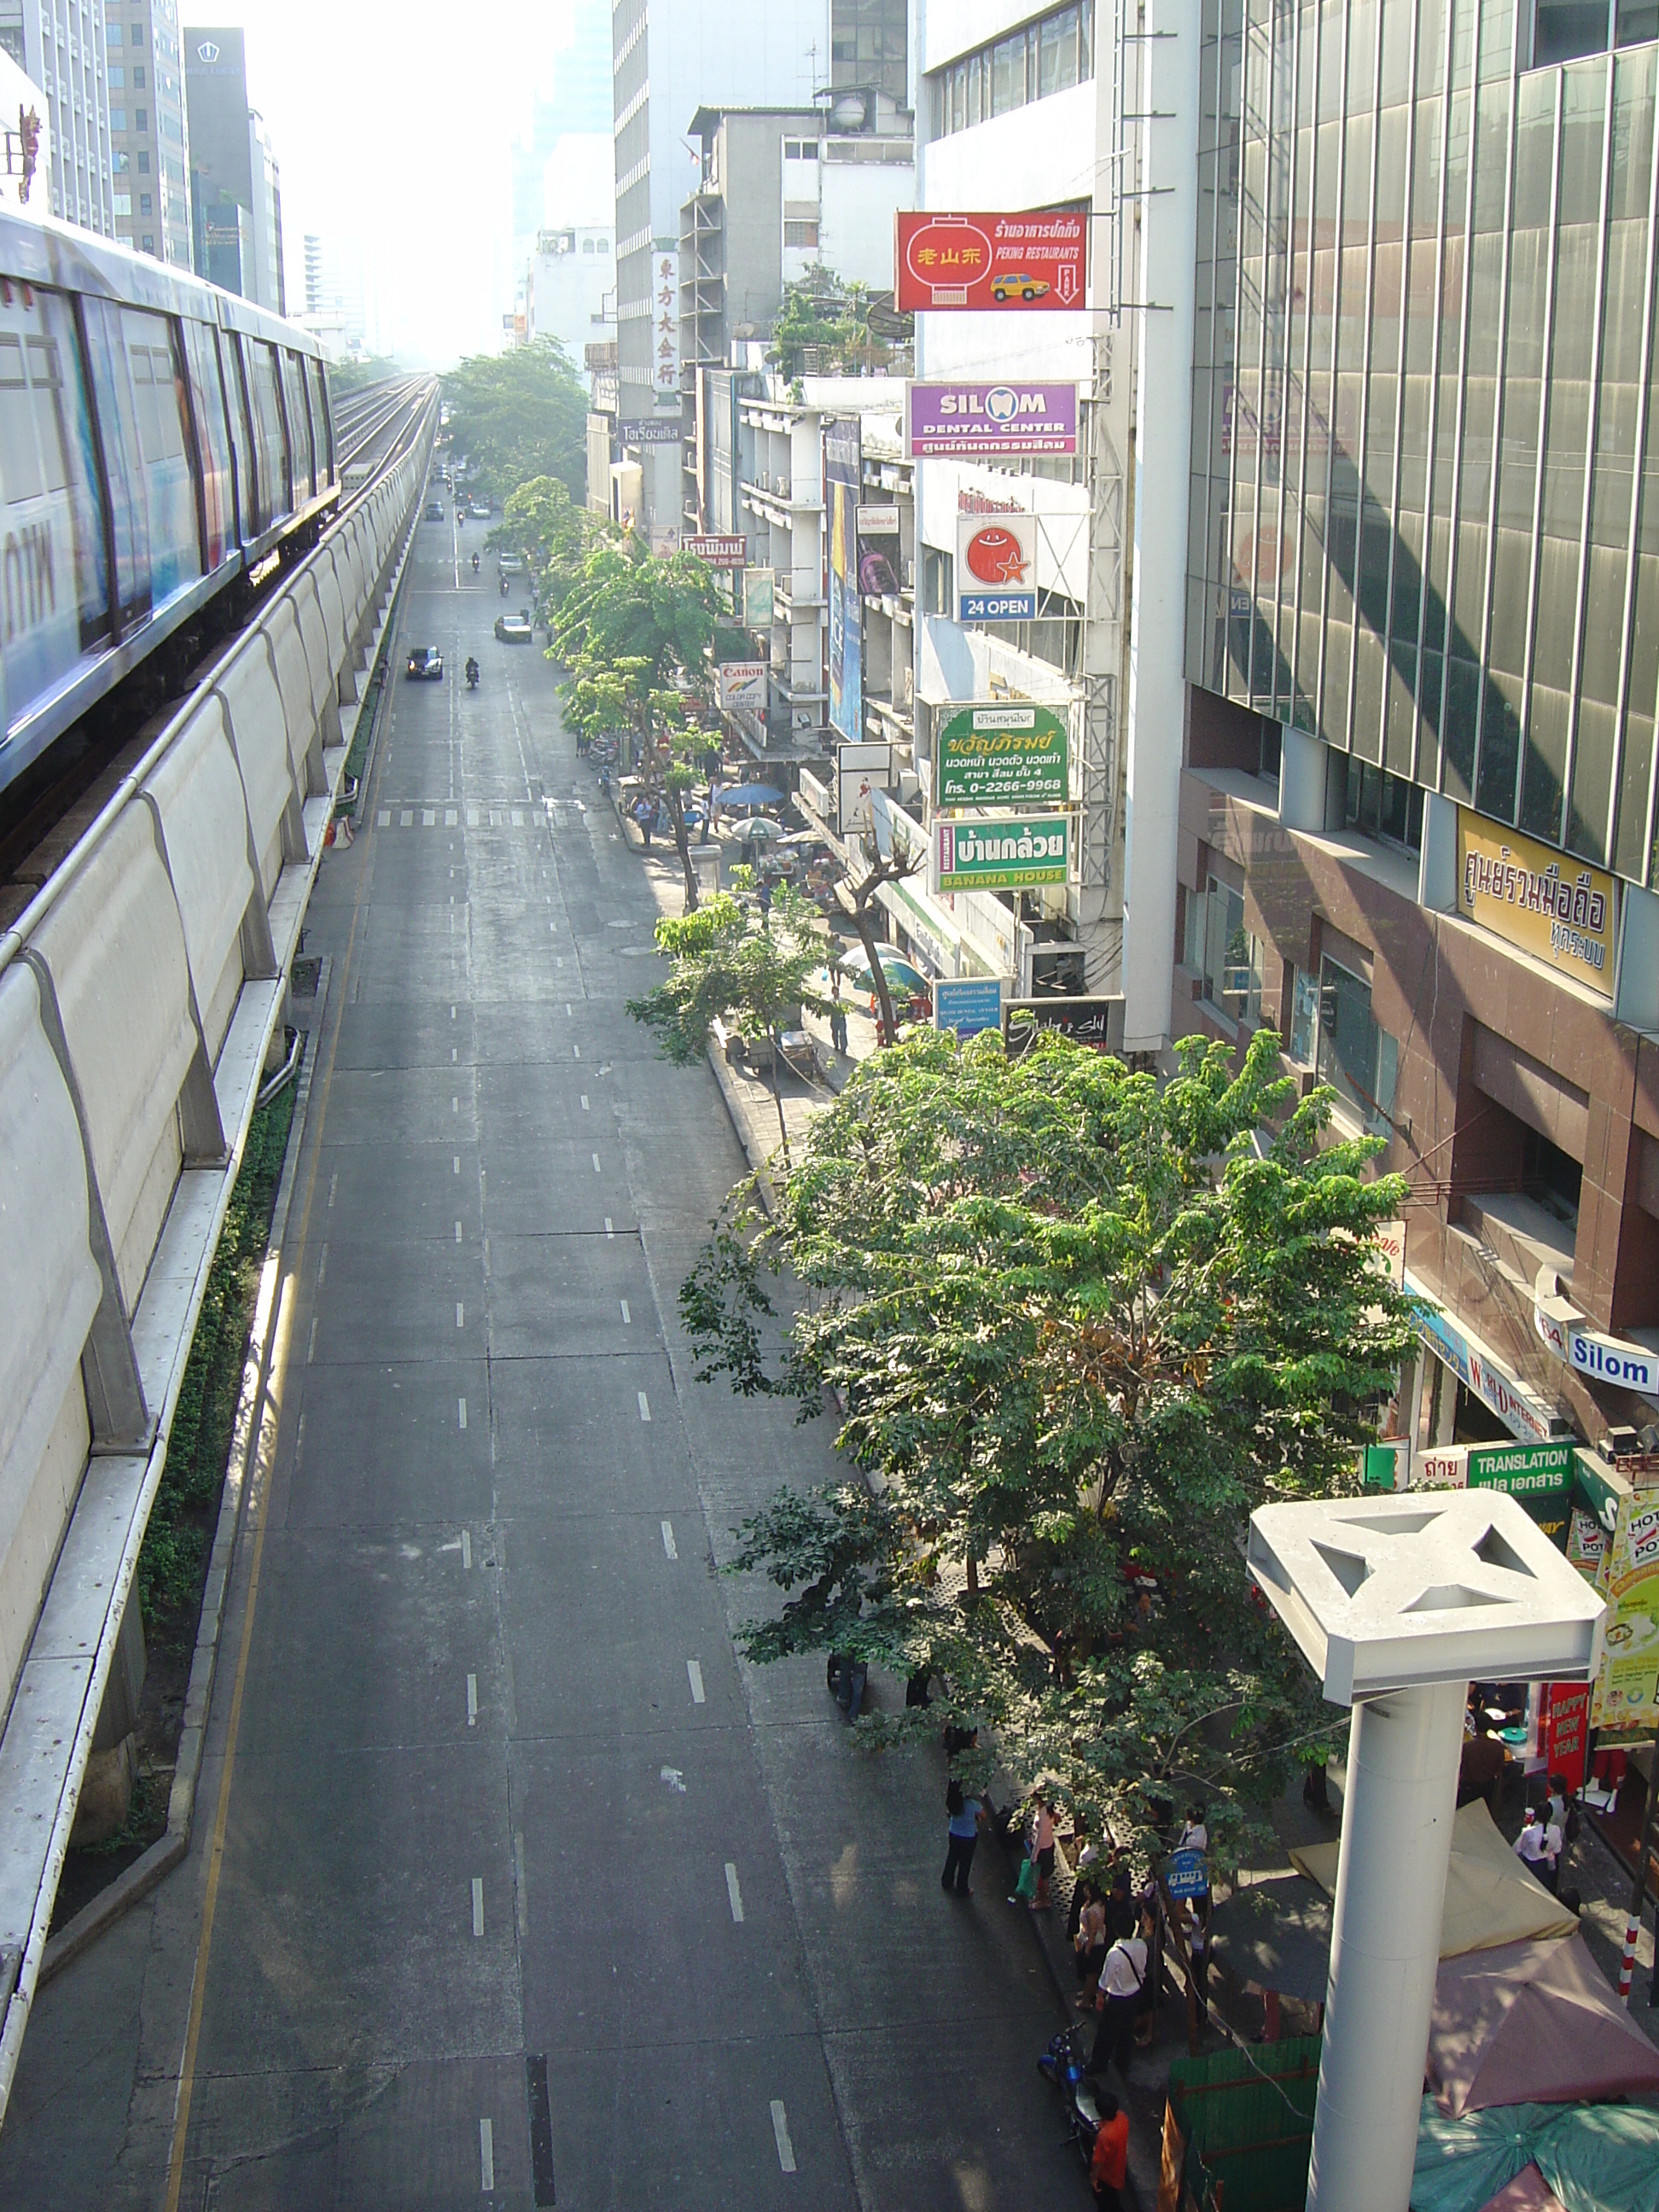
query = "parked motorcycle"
{"x": 1063, "y": 2064}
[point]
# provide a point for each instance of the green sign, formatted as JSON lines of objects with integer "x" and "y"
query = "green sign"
{"x": 1004, "y": 753}
{"x": 1524, "y": 1470}
{"x": 1007, "y": 854}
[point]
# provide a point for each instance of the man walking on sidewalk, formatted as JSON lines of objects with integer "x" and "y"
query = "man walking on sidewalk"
{"x": 1108, "y": 2163}
{"x": 967, "y": 1818}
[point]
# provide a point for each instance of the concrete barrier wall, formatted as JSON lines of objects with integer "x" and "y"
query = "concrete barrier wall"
{"x": 137, "y": 994}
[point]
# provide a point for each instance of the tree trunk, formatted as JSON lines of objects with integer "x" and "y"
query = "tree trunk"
{"x": 682, "y": 847}
{"x": 864, "y": 922}
{"x": 777, "y": 1095}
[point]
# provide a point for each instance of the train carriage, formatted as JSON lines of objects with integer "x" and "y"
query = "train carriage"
{"x": 158, "y": 438}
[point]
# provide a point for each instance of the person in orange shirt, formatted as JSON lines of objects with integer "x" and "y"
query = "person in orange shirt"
{"x": 1108, "y": 2167}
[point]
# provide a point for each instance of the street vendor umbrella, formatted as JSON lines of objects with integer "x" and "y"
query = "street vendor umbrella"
{"x": 750, "y": 794}
{"x": 1533, "y": 2024}
{"x": 1276, "y": 1934}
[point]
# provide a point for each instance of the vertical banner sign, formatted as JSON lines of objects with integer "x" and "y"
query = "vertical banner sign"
{"x": 999, "y": 262}
{"x": 759, "y": 599}
{"x": 842, "y": 463}
{"x": 1627, "y": 1694}
{"x": 666, "y": 328}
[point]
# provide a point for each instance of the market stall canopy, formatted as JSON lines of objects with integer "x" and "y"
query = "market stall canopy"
{"x": 1590, "y": 2157}
{"x": 1276, "y": 1934}
{"x": 1491, "y": 1898}
{"x": 748, "y": 794}
{"x": 1528, "y": 2192}
{"x": 1533, "y": 2023}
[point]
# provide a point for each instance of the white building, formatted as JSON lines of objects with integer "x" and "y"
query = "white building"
{"x": 571, "y": 288}
{"x": 60, "y": 47}
{"x": 340, "y": 300}
{"x": 269, "y": 282}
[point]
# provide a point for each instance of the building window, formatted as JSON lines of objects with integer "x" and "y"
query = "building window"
{"x": 141, "y": 119}
{"x": 146, "y": 204}
{"x": 800, "y": 233}
{"x": 117, "y": 118}
{"x": 1049, "y": 55}
{"x": 1564, "y": 30}
{"x": 149, "y": 243}
{"x": 137, "y": 34}
{"x": 123, "y": 203}
{"x": 1361, "y": 1060}
{"x": 117, "y": 79}
{"x": 1224, "y": 952}
{"x": 1302, "y": 1032}
{"x": 144, "y": 163}
{"x": 604, "y": 246}
{"x": 1383, "y": 805}
{"x": 120, "y": 159}
{"x": 800, "y": 149}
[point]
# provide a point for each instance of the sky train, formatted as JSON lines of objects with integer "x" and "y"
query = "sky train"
{"x": 158, "y": 438}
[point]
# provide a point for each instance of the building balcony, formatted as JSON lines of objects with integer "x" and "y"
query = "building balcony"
{"x": 800, "y": 595}
{"x": 785, "y": 504}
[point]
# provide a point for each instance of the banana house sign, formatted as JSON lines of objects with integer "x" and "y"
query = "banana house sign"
{"x": 1002, "y": 853}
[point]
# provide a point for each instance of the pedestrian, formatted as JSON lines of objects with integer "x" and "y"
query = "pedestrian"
{"x": 1042, "y": 1852}
{"x": 1090, "y": 1944}
{"x": 850, "y": 1686}
{"x": 1198, "y": 1950}
{"x": 1533, "y": 1847}
{"x": 1194, "y": 1833}
{"x": 764, "y": 897}
{"x": 1109, "y": 2161}
{"x": 967, "y": 1818}
{"x": 1117, "y": 2001}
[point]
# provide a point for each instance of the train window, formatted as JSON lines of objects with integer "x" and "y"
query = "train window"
{"x": 213, "y": 436}
{"x": 123, "y": 466}
{"x": 159, "y": 406}
{"x": 54, "y": 587}
{"x": 299, "y": 427}
{"x": 322, "y": 424}
{"x": 252, "y": 486}
{"x": 276, "y": 489}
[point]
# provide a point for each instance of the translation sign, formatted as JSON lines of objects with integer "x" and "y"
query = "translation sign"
{"x": 994, "y": 262}
{"x": 1002, "y": 753}
{"x": 947, "y": 421}
{"x": 1005, "y": 853}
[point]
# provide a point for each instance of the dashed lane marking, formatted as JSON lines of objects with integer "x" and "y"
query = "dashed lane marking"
{"x": 473, "y": 1701}
{"x": 733, "y": 1893}
{"x": 694, "y": 1675}
{"x": 645, "y": 1406}
{"x": 780, "y": 2136}
{"x": 670, "y": 1547}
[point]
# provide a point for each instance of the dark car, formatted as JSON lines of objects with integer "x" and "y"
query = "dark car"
{"x": 434, "y": 511}
{"x": 426, "y": 665}
{"x": 513, "y": 629}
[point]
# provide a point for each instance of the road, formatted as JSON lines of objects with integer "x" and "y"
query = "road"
{"x": 510, "y": 1883}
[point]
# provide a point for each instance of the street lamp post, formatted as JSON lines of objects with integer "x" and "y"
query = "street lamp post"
{"x": 1398, "y": 1603}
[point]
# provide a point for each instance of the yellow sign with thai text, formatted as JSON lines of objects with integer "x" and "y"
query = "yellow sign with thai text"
{"x": 1541, "y": 901}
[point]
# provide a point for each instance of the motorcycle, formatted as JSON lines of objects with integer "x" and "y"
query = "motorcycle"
{"x": 1062, "y": 2064}
{"x": 504, "y": 587}
{"x": 475, "y": 564}
{"x": 471, "y": 675}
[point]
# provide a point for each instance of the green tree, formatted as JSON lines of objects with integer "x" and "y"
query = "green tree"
{"x": 627, "y": 625}
{"x": 542, "y": 522}
{"x": 344, "y": 376}
{"x": 840, "y": 322}
{"x": 733, "y": 964}
{"x": 1081, "y": 1323}
{"x": 518, "y": 416}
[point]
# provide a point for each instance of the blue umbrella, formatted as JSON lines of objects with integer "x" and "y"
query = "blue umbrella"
{"x": 752, "y": 794}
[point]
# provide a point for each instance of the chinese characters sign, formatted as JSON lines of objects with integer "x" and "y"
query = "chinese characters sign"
{"x": 666, "y": 328}
{"x": 1003, "y": 754}
{"x": 1541, "y": 901}
{"x": 994, "y": 262}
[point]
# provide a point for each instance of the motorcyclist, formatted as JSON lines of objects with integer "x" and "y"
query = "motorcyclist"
{"x": 472, "y": 674}
{"x": 475, "y": 564}
{"x": 505, "y": 581}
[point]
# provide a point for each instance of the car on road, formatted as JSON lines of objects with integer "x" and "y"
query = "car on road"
{"x": 426, "y": 665}
{"x": 514, "y": 629}
{"x": 480, "y": 510}
{"x": 434, "y": 510}
{"x": 510, "y": 564}
{"x": 1016, "y": 284}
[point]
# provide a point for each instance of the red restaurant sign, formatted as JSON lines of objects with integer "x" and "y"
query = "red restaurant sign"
{"x": 991, "y": 261}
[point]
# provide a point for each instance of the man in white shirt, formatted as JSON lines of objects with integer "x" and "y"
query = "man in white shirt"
{"x": 1538, "y": 1847}
{"x": 1118, "y": 1998}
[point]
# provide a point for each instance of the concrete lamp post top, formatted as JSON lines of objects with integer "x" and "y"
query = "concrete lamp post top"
{"x": 1399, "y": 1593}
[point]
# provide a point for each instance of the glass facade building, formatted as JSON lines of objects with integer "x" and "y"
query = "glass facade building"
{"x": 1425, "y": 517}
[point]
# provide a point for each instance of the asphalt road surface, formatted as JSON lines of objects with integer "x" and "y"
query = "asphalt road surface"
{"x": 529, "y": 1892}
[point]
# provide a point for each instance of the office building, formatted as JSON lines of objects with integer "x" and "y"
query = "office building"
{"x": 339, "y": 304}
{"x": 149, "y": 144}
{"x": 579, "y": 106}
{"x": 236, "y": 201}
{"x": 568, "y": 287}
{"x": 1416, "y": 823}
{"x": 768, "y": 52}
{"x": 59, "y": 46}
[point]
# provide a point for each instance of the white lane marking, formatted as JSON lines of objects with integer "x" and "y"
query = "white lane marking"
{"x": 674, "y": 1777}
{"x": 670, "y": 1547}
{"x": 694, "y": 1675}
{"x": 455, "y": 1163}
{"x": 467, "y": 1548}
{"x": 449, "y": 818}
{"x": 577, "y": 1050}
{"x": 452, "y": 875}
{"x": 645, "y": 1406}
{"x": 428, "y": 817}
{"x": 609, "y": 1230}
{"x": 570, "y": 1010}
{"x": 597, "y": 1169}
{"x": 486, "y": 2155}
{"x": 405, "y": 819}
{"x": 460, "y": 1314}
{"x": 585, "y": 1106}
{"x": 452, "y": 1014}
{"x": 471, "y": 818}
{"x": 473, "y": 1701}
{"x": 333, "y": 1185}
{"x": 322, "y": 1266}
{"x": 733, "y": 1892}
{"x": 781, "y": 2132}
{"x": 521, "y": 1897}
{"x": 310, "y": 1342}
{"x": 458, "y": 1232}
{"x": 517, "y": 818}
{"x": 383, "y": 819}
{"x": 454, "y": 1105}
{"x": 461, "y": 1407}
{"x": 478, "y": 1905}
{"x": 628, "y": 1318}
{"x": 454, "y": 1054}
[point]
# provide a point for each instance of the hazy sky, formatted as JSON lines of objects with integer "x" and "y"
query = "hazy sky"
{"x": 394, "y": 124}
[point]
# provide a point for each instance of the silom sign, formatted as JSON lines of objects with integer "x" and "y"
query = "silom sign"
{"x": 944, "y": 421}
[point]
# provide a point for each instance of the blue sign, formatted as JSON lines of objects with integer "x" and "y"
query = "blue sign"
{"x": 996, "y": 606}
{"x": 1185, "y": 1875}
{"x": 968, "y": 1004}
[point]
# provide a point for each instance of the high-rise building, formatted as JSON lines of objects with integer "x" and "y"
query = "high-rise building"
{"x": 1413, "y": 826}
{"x": 149, "y": 146}
{"x": 337, "y": 303}
{"x": 579, "y": 104}
{"x": 60, "y": 45}
{"x": 666, "y": 66}
{"x": 571, "y": 279}
{"x": 235, "y": 188}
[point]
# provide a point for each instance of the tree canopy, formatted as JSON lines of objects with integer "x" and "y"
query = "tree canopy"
{"x": 1081, "y": 1323}
{"x": 553, "y": 532}
{"x": 840, "y": 321}
{"x": 520, "y": 415}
